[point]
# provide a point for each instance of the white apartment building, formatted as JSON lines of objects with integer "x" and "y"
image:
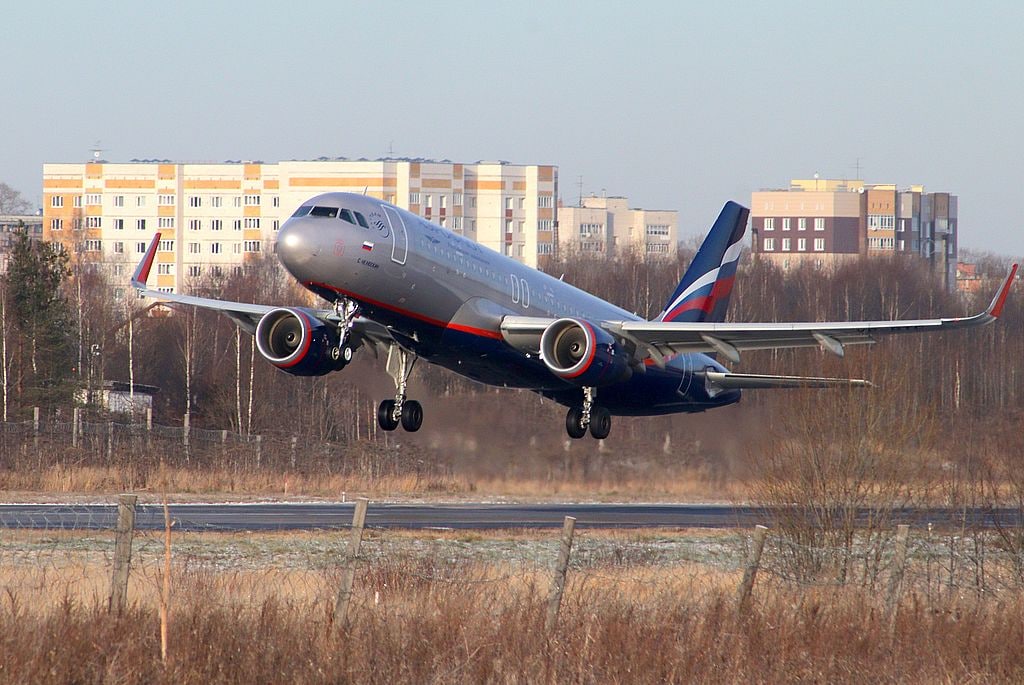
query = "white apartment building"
{"x": 606, "y": 224}
{"x": 218, "y": 216}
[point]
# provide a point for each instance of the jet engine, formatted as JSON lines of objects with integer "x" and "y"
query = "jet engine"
{"x": 581, "y": 353}
{"x": 297, "y": 342}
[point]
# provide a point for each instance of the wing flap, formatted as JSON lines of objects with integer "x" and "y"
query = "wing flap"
{"x": 716, "y": 382}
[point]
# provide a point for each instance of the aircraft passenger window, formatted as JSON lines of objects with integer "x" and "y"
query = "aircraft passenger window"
{"x": 330, "y": 212}
{"x": 361, "y": 220}
{"x": 303, "y": 210}
{"x": 347, "y": 216}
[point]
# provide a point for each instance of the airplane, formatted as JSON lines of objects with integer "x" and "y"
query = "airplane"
{"x": 409, "y": 289}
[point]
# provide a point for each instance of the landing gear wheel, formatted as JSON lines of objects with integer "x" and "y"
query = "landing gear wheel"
{"x": 386, "y": 415}
{"x": 412, "y": 415}
{"x": 600, "y": 423}
{"x": 574, "y": 423}
{"x": 346, "y": 354}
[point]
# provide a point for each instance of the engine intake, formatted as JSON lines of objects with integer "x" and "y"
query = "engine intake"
{"x": 581, "y": 353}
{"x": 297, "y": 342}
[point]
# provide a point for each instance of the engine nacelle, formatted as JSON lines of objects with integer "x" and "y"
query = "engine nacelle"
{"x": 297, "y": 342}
{"x": 581, "y": 353}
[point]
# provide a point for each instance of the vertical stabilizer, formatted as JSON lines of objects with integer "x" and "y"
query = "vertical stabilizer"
{"x": 703, "y": 294}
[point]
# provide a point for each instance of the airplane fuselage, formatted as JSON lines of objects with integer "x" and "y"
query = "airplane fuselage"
{"x": 443, "y": 297}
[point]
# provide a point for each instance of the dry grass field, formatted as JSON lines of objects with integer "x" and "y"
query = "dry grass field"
{"x": 658, "y": 606}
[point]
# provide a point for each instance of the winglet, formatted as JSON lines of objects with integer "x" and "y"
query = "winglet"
{"x": 996, "y": 308}
{"x": 142, "y": 270}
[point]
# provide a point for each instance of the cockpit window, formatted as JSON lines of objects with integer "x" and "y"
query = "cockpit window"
{"x": 347, "y": 216}
{"x": 303, "y": 210}
{"x": 361, "y": 220}
{"x": 330, "y": 212}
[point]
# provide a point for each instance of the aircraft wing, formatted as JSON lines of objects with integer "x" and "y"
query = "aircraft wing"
{"x": 659, "y": 339}
{"x": 245, "y": 315}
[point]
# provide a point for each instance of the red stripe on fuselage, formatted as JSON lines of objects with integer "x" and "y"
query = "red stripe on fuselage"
{"x": 483, "y": 332}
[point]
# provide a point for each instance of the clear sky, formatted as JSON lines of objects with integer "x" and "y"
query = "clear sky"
{"x": 677, "y": 105}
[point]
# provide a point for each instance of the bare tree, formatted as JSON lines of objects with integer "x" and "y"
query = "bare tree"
{"x": 11, "y": 201}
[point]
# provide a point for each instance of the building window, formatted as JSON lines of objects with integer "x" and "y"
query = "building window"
{"x": 881, "y": 222}
{"x": 548, "y": 248}
{"x": 520, "y": 203}
{"x": 93, "y": 199}
{"x": 819, "y": 244}
{"x": 457, "y": 223}
{"x": 785, "y": 244}
{"x": 457, "y": 199}
{"x": 252, "y": 246}
{"x": 195, "y": 270}
{"x": 252, "y": 200}
{"x": 119, "y": 200}
{"x": 252, "y": 222}
{"x": 140, "y": 200}
{"x": 276, "y": 225}
{"x": 769, "y": 223}
{"x": 164, "y": 269}
{"x": 118, "y": 224}
{"x": 194, "y": 224}
{"x": 140, "y": 224}
{"x": 93, "y": 245}
{"x": 140, "y": 248}
{"x": 194, "y": 248}
{"x": 93, "y": 221}
{"x": 236, "y": 248}
{"x": 508, "y": 202}
{"x": 216, "y": 224}
{"x": 57, "y": 201}
{"x": 165, "y": 222}
{"x": 414, "y": 198}
{"x": 657, "y": 229}
{"x": 801, "y": 224}
{"x": 165, "y": 246}
{"x": 275, "y": 201}
{"x": 214, "y": 248}
{"x": 77, "y": 201}
{"x": 545, "y": 224}
{"x": 56, "y": 224}
{"x": 769, "y": 244}
{"x": 428, "y": 201}
{"x": 118, "y": 248}
{"x": 591, "y": 229}
{"x": 165, "y": 200}
{"x": 786, "y": 223}
{"x": 544, "y": 201}
{"x": 657, "y": 248}
{"x": 819, "y": 224}
{"x": 801, "y": 244}
{"x": 195, "y": 201}
{"x": 236, "y": 201}
{"x": 443, "y": 201}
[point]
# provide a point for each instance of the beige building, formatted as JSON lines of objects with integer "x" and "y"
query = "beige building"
{"x": 606, "y": 224}
{"x": 215, "y": 217}
{"x": 827, "y": 221}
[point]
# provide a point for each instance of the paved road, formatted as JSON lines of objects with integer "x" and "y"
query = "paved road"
{"x": 320, "y": 516}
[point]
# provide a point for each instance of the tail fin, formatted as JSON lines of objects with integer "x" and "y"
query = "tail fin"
{"x": 703, "y": 294}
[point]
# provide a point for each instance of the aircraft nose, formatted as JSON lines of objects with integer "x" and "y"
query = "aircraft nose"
{"x": 297, "y": 245}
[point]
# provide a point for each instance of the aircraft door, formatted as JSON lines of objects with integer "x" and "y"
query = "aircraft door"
{"x": 399, "y": 236}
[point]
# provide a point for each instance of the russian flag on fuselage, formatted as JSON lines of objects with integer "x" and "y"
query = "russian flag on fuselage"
{"x": 703, "y": 294}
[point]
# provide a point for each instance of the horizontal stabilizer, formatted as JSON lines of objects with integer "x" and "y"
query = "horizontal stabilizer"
{"x": 717, "y": 381}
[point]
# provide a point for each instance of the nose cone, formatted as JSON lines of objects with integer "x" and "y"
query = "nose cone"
{"x": 297, "y": 246}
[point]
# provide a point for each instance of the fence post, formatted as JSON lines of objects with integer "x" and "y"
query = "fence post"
{"x": 110, "y": 440}
{"x": 750, "y": 571}
{"x": 122, "y": 553}
{"x": 561, "y": 567}
{"x": 149, "y": 426}
{"x": 295, "y": 444}
{"x": 899, "y": 564}
{"x": 35, "y": 427}
{"x": 259, "y": 450}
{"x": 76, "y": 421}
{"x": 349, "y": 576}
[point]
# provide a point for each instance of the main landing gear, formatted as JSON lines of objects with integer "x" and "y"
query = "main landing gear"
{"x": 408, "y": 413}
{"x": 589, "y": 416}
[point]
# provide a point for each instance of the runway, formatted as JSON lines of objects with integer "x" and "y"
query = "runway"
{"x": 271, "y": 516}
